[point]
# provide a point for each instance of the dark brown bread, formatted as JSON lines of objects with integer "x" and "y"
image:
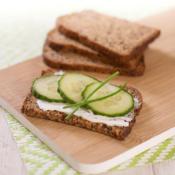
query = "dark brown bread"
{"x": 111, "y": 36}
{"x": 72, "y": 61}
{"x": 31, "y": 109}
{"x": 58, "y": 41}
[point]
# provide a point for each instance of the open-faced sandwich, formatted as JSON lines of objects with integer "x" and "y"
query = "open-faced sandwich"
{"x": 80, "y": 100}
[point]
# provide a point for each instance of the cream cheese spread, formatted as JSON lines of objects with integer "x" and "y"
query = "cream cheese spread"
{"x": 89, "y": 115}
{"x": 122, "y": 121}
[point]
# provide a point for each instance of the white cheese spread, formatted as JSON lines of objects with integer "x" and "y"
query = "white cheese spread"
{"x": 89, "y": 115}
{"x": 122, "y": 121}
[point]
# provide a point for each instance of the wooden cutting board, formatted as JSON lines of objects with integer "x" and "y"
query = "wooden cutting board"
{"x": 92, "y": 152}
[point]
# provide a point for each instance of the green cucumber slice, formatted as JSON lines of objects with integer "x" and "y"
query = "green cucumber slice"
{"x": 113, "y": 106}
{"x": 45, "y": 88}
{"x": 71, "y": 86}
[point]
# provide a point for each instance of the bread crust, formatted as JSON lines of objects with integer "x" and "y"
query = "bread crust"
{"x": 31, "y": 109}
{"x": 72, "y": 61}
{"x": 57, "y": 41}
{"x": 94, "y": 30}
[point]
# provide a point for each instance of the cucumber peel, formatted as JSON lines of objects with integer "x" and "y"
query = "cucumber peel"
{"x": 45, "y": 88}
{"x": 71, "y": 85}
{"x": 117, "y": 104}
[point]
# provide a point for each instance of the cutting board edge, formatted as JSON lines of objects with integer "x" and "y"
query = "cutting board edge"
{"x": 83, "y": 167}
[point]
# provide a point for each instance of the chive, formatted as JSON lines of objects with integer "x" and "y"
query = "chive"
{"x": 70, "y": 115}
{"x": 84, "y": 101}
{"x": 102, "y": 84}
{"x": 109, "y": 95}
{"x": 97, "y": 99}
{"x": 97, "y": 88}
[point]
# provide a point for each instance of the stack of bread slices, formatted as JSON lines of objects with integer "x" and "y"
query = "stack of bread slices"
{"x": 92, "y": 41}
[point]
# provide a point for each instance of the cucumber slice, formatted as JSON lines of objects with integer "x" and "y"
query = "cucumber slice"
{"x": 45, "y": 88}
{"x": 71, "y": 86}
{"x": 113, "y": 106}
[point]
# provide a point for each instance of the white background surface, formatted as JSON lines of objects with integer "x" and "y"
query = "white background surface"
{"x": 37, "y": 9}
{"x": 25, "y": 23}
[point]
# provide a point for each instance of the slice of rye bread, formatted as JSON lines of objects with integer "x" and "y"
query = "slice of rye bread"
{"x": 31, "y": 109}
{"x": 58, "y": 41}
{"x": 72, "y": 61}
{"x": 111, "y": 36}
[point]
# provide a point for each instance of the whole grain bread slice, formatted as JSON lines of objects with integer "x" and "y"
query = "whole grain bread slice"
{"x": 71, "y": 61}
{"x": 58, "y": 41}
{"x": 31, "y": 109}
{"x": 114, "y": 37}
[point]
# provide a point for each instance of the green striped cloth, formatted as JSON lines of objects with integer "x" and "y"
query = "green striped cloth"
{"x": 21, "y": 40}
{"x": 40, "y": 160}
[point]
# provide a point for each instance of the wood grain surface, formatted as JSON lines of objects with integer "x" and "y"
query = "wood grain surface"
{"x": 157, "y": 87}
